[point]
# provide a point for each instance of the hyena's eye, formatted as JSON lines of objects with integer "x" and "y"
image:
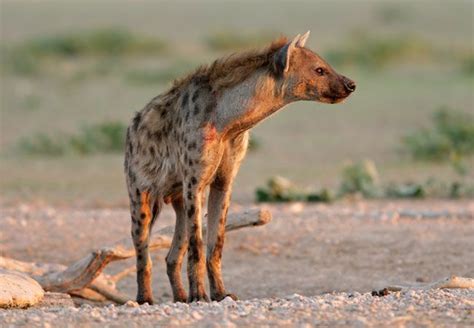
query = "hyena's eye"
{"x": 319, "y": 71}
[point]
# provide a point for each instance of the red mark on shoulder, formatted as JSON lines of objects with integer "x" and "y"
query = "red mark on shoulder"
{"x": 210, "y": 133}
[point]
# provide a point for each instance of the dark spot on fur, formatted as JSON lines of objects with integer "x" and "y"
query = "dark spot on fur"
{"x": 190, "y": 195}
{"x": 137, "y": 232}
{"x": 209, "y": 108}
{"x": 139, "y": 257}
{"x": 191, "y": 211}
{"x": 136, "y": 121}
{"x": 195, "y": 96}
{"x": 192, "y": 145}
{"x": 152, "y": 151}
{"x": 142, "y": 216}
{"x": 193, "y": 180}
{"x": 196, "y": 109}
{"x": 185, "y": 99}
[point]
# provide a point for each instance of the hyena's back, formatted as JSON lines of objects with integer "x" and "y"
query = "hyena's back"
{"x": 163, "y": 138}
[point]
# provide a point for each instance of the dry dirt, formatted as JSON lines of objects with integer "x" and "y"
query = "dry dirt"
{"x": 350, "y": 248}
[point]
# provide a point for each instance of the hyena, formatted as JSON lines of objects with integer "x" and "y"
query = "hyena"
{"x": 194, "y": 136}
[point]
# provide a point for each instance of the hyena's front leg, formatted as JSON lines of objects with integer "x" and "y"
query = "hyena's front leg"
{"x": 218, "y": 205}
{"x": 192, "y": 194}
{"x": 143, "y": 216}
{"x": 178, "y": 248}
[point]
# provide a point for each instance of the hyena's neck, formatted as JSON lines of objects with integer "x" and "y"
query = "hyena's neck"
{"x": 243, "y": 106}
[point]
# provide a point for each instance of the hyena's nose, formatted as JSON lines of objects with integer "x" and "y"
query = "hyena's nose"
{"x": 349, "y": 84}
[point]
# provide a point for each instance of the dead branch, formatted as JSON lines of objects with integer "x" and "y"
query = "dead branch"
{"x": 449, "y": 282}
{"x": 85, "y": 278}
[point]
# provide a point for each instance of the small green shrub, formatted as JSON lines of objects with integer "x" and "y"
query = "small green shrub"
{"x": 449, "y": 139}
{"x": 227, "y": 40}
{"x": 105, "y": 137}
{"x": 279, "y": 189}
{"x": 108, "y": 137}
{"x": 408, "y": 190}
{"x": 43, "y": 144}
{"x": 108, "y": 42}
{"x": 373, "y": 52}
{"x": 360, "y": 178}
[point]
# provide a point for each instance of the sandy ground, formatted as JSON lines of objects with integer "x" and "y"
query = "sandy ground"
{"x": 348, "y": 248}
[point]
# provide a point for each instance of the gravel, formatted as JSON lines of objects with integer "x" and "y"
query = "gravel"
{"x": 409, "y": 308}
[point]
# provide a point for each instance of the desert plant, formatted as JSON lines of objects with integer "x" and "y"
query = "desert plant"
{"x": 103, "y": 137}
{"x": 107, "y": 137}
{"x": 43, "y": 144}
{"x": 450, "y": 138}
{"x": 373, "y": 52}
{"x": 360, "y": 178}
{"x": 279, "y": 189}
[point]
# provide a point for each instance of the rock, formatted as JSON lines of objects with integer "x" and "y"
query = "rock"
{"x": 18, "y": 290}
{"x": 131, "y": 303}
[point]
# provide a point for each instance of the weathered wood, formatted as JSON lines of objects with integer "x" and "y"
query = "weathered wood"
{"x": 84, "y": 277}
{"x": 449, "y": 282}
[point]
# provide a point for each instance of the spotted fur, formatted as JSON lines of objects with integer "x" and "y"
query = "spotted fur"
{"x": 195, "y": 136}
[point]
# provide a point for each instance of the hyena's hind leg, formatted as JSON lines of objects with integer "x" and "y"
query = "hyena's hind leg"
{"x": 144, "y": 211}
{"x": 179, "y": 245}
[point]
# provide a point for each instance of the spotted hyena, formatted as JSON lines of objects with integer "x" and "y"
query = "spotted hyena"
{"x": 195, "y": 135}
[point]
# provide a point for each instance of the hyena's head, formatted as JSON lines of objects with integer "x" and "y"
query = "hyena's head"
{"x": 307, "y": 76}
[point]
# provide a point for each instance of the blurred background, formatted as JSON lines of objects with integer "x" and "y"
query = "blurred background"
{"x": 74, "y": 72}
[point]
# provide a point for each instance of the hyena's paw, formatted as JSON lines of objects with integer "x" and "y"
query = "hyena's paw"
{"x": 199, "y": 297}
{"x": 220, "y": 297}
{"x": 182, "y": 298}
{"x": 142, "y": 300}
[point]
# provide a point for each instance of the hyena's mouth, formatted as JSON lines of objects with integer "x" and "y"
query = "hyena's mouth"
{"x": 331, "y": 99}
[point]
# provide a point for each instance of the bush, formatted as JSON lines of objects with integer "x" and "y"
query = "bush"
{"x": 108, "y": 137}
{"x": 105, "y": 137}
{"x": 108, "y": 42}
{"x": 375, "y": 53}
{"x": 227, "y": 40}
{"x": 360, "y": 178}
{"x": 450, "y": 138}
{"x": 279, "y": 189}
{"x": 43, "y": 144}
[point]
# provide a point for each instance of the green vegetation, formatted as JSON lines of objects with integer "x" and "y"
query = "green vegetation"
{"x": 279, "y": 189}
{"x": 227, "y": 40}
{"x": 26, "y": 58}
{"x": 451, "y": 138}
{"x": 104, "y": 42}
{"x": 108, "y": 137}
{"x": 371, "y": 52}
{"x": 360, "y": 178}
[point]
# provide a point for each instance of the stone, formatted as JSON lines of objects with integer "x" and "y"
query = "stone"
{"x": 18, "y": 290}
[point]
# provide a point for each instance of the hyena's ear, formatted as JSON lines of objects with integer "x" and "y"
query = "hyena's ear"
{"x": 281, "y": 61}
{"x": 302, "y": 40}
